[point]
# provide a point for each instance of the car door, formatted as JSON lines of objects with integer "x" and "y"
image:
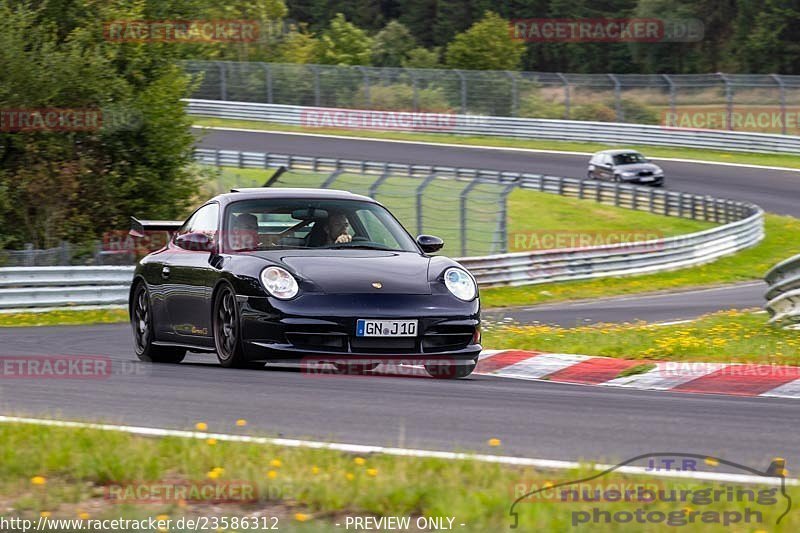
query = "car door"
{"x": 190, "y": 276}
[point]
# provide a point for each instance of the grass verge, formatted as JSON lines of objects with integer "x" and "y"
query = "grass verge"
{"x": 64, "y": 317}
{"x": 71, "y": 473}
{"x": 726, "y": 336}
{"x": 751, "y": 264}
{"x": 778, "y": 160}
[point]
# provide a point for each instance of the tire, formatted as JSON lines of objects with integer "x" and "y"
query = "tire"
{"x": 142, "y": 324}
{"x": 451, "y": 370}
{"x": 227, "y": 330}
{"x": 590, "y": 175}
{"x": 617, "y": 178}
{"x": 355, "y": 368}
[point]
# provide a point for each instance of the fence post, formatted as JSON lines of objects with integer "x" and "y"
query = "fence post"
{"x": 671, "y": 94}
{"x": 463, "y": 91}
{"x": 728, "y": 99}
{"x": 373, "y": 189}
{"x": 782, "y": 97}
{"x": 419, "y": 192}
{"x": 617, "y": 98}
{"x": 268, "y": 79}
{"x": 566, "y": 95}
{"x": 367, "y": 98}
{"x": 315, "y": 68}
{"x": 502, "y": 223}
{"x": 462, "y": 198}
{"x": 414, "y": 88}
{"x": 514, "y": 93}
{"x": 223, "y": 82}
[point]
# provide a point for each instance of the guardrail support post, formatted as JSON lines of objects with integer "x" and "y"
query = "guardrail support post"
{"x": 373, "y": 189}
{"x": 671, "y": 95}
{"x": 223, "y": 82}
{"x": 617, "y": 97}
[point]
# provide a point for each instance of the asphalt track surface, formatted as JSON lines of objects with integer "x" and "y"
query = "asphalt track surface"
{"x": 664, "y": 307}
{"x": 533, "y": 419}
{"x": 777, "y": 191}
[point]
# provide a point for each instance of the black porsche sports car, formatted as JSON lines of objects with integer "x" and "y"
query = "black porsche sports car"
{"x": 288, "y": 274}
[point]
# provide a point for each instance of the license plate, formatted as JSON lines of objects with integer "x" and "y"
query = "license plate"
{"x": 646, "y": 179}
{"x": 386, "y": 328}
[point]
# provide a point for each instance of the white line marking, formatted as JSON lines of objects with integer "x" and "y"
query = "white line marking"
{"x": 483, "y": 147}
{"x": 539, "y": 366}
{"x": 787, "y": 390}
{"x": 403, "y": 452}
{"x": 666, "y": 375}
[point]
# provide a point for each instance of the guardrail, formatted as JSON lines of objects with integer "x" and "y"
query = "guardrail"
{"x": 36, "y": 287}
{"x": 528, "y": 128}
{"x": 742, "y": 226}
{"x": 783, "y": 294}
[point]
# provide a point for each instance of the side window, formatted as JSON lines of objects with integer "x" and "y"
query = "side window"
{"x": 204, "y": 220}
{"x": 376, "y": 230}
{"x": 607, "y": 161}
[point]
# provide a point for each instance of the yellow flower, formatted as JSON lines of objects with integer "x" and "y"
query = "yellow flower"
{"x": 349, "y": 476}
{"x": 360, "y": 461}
{"x": 201, "y": 426}
{"x": 272, "y": 474}
{"x": 494, "y": 442}
{"x": 45, "y": 514}
{"x": 275, "y": 463}
{"x": 162, "y": 517}
{"x": 218, "y": 469}
{"x": 300, "y": 517}
{"x": 241, "y": 422}
{"x": 83, "y": 515}
{"x": 213, "y": 474}
{"x": 372, "y": 472}
{"x": 38, "y": 480}
{"x": 211, "y": 442}
{"x": 315, "y": 469}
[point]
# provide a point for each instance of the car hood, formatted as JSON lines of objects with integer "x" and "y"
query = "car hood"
{"x": 636, "y": 167}
{"x": 354, "y": 271}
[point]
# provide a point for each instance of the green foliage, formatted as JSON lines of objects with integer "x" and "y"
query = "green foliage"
{"x": 423, "y": 58}
{"x": 487, "y": 45}
{"x": 401, "y": 97}
{"x": 392, "y": 45}
{"x": 73, "y": 185}
{"x": 344, "y": 44}
{"x": 594, "y": 112}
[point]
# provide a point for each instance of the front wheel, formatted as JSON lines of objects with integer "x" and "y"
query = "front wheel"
{"x": 142, "y": 322}
{"x": 227, "y": 333}
{"x": 452, "y": 370}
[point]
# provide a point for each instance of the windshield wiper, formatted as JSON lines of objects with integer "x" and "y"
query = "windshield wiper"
{"x": 343, "y": 246}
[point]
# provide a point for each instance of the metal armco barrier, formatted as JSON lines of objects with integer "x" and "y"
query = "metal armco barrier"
{"x": 528, "y": 128}
{"x": 31, "y": 287}
{"x": 742, "y": 227}
{"x": 783, "y": 295}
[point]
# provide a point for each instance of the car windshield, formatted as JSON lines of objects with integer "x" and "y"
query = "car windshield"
{"x": 276, "y": 223}
{"x": 629, "y": 158}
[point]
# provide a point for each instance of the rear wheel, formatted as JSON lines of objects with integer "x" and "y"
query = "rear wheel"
{"x": 591, "y": 175}
{"x": 227, "y": 331}
{"x": 451, "y": 370}
{"x": 142, "y": 322}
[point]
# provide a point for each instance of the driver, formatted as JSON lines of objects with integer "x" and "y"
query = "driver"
{"x": 336, "y": 229}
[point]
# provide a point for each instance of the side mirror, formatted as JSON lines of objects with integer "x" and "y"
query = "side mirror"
{"x": 195, "y": 242}
{"x": 429, "y": 243}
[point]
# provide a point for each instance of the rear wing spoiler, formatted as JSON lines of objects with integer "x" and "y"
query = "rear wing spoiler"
{"x": 139, "y": 227}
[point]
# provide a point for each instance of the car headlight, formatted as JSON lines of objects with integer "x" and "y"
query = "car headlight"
{"x": 629, "y": 174}
{"x": 460, "y": 284}
{"x": 279, "y": 283}
{"x": 658, "y": 172}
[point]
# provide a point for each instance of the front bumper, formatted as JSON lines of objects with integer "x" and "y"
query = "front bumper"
{"x": 645, "y": 180}
{"x": 319, "y": 326}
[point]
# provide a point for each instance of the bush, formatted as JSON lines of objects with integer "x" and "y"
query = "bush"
{"x": 594, "y": 113}
{"x": 400, "y": 97}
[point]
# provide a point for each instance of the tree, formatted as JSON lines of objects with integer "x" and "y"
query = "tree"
{"x": 392, "y": 45}
{"x": 344, "y": 43}
{"x": 73, "y": 185}
{"x": 423, "y": 58}
{"x": 298, "y": 46}
{"x": 487, "y": 45}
